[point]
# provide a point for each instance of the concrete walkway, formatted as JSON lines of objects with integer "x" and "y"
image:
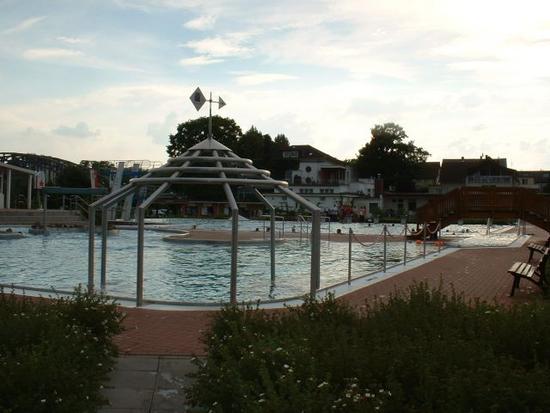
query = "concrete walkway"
{"x": 148, "y": 384}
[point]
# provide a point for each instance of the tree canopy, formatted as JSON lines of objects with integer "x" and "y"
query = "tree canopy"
{"x": 390, "y": 154}
{"x": 189, "y": 133}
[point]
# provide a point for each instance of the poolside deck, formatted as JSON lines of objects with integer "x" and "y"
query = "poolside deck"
{"x": 477, "y": 273}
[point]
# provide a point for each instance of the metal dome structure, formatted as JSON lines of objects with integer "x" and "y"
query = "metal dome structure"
{"x": 206, "y": 163}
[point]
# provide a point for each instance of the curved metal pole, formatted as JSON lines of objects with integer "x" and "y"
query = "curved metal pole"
{"x": 272, "y": 243}
{"x": 234, "y": 234}
{"x": 315, "y": 280}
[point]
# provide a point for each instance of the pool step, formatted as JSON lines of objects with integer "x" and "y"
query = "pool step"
{"x": 34, "y": 216}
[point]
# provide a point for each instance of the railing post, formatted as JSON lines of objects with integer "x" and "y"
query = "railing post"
{"x": 349, "y": 256}
{"x": 424, "y": 242}
{"x": 385, "y": 240}
{"x": 439, "y": 237}
{"x": 140, "y": 253}
{"x": 315, "y": 253}
{"x": 104, "y": 229}
{"x": 91, "y": 248}
{"x": 405, "y": 244}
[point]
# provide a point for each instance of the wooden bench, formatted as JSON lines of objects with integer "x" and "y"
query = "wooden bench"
{"x": 534, "y": 273}
{"x": 534, "y": 247}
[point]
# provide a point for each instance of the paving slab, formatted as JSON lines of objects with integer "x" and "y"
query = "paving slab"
{"x": 148, "y": 385}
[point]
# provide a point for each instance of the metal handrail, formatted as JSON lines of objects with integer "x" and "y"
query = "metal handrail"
{"x": 279, "y": 217}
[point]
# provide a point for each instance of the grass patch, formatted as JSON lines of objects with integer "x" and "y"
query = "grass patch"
{"x": 55, "y": 354}
{"x": 422, "y": 351}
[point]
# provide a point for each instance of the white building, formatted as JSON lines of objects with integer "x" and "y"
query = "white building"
{"x": 327, "y": 182}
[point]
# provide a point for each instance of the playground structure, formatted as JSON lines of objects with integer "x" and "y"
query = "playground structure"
{"x": 206, "y": 163}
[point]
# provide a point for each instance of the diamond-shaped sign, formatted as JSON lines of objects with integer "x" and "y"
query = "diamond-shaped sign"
{"x": 221, "y": 103}
{"x": 198, "y": 99}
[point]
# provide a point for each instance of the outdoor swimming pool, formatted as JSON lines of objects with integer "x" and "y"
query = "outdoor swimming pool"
{"x": 195, "y": 272}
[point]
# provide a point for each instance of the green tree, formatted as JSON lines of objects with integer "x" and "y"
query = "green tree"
{"x": 390, "y": 154}
{"x": 74, "y": 177}
{"x": 258, "y": 147}
{"x": 281, "y": 142}
{"x": 189, "y": 133}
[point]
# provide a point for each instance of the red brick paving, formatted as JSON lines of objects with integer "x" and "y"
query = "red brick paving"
{"x": 477, "y": 273}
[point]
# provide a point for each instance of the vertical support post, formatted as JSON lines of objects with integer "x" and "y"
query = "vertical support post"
{"x": 29, "y": 192}
{"x": 315, "y": 281}
{"x": 8, "y": 191}
{"x": 272, "y": 245}
{"x": 385, "y": 245}
{"x": 104, "y": 229}
{"x": 264, "y": 227}
{"x": 210, "y": 118}
{"x": 91, "y": 247}
{"x": 519, "y": 226}
{"x": 405, "y": 244}
{"x": 140, "y": 253}
{"x": 45, "y": 209}
{"x": 424, "y": 241}
{"x": 234, "y": 252}
{"x": 349, "y": 256}
{"x": 439, "y": 237}
{"x": 2, "y": 199}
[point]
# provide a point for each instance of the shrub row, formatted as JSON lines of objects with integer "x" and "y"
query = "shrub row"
{"x": 422, "y": 351}
{"x": 54, "y": 354}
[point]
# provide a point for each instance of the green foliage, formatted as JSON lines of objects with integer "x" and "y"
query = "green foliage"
{"x": 54, "y": 355}
{"x": 74, "y": 177}
{"x": 189, "y": 133}
{"x": 420, "y": 352}
{"x": 390, "y": 154}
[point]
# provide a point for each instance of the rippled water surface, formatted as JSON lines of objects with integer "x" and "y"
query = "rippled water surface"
{"x": 193, "y": 272}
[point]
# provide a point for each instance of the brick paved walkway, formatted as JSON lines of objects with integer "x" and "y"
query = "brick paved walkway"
{"x": 478, "y": 273}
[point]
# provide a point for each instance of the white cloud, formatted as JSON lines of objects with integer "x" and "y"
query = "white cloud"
{"x": 253, "y": 79}
{"x": 219, "y": 46}
{"x": 73, "y": 40}
{"x": 80, "y": 130}
{"x": 24, "y": 25}
{"x": 161, "y": 131}
{"x": 51, "y": 53}
{"x": 201, "y": 23}
{"x": 199, "y": 61}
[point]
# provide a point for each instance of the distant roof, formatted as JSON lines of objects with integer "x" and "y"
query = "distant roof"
{"x": 428, "y": 170}
{"x": 456, "y": 170}
{"x": 309, "y": 153}
{"x": 541, "y": 177}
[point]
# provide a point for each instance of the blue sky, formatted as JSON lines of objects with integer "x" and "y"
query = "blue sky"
{"x": 110, "y": 79}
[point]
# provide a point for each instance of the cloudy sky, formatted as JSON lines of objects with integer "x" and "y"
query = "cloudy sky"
{"x": 111, "y": 79}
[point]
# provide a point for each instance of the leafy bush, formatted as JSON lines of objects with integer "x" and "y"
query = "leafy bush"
{"x": 422, "y": 351}
{"x": 54, "y": 354}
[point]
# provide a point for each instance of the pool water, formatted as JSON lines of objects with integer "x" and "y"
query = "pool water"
{"x": 194, "y": 272}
